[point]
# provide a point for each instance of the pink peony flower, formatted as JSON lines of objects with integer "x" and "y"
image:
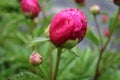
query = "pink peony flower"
{"x": 117, "y": 2}
{"x": 30, "y": 7}
{"x": 106, "y": 33}
{"x": 35, "y": 59}
{"x": 105, "y": 18}
{"x": 67, "y": 25}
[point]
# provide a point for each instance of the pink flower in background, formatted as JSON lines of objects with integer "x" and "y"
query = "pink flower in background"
{"x": 119, "y": 17}
{"x": 117, "y": 2}
{"x": 35, "y": 59}
{"x": 106, "y": 32}
{"x": 31, "y": 7}
{"x": 105, "y": 18}
{"x": 82, "y": 2}
{"x": 69, "y": 24}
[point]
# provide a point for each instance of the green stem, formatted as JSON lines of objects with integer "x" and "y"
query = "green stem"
{"x": 51, "y": 63}
{"x": 59, "y": 51}
{"x": 97, "y": 72}
{"x": 42, "y": 10}
{"x": 42, "y": 73}
{"x": 32, "y": 28}
{"x": 98, "y": 30}
{"x": 43, "y": 13}
{"x": 32, "y": 31}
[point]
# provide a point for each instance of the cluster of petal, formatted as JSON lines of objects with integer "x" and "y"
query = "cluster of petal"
{"x": 31, "y": 7}
{"x": 69, "y": 24}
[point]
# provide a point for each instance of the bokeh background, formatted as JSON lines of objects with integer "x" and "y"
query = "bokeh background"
{"x": 15, "y": 43}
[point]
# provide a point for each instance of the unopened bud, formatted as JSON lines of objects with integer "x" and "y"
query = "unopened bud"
{"x": 68, "y": 28}
{"x": 95, "y": 9}
{"x": 107, "y": 33}
{"x": 35, "y": 59}
{"x": 105, "y": 18}
{"x": 30, "y": 8}
{"x": 119, "y": 17}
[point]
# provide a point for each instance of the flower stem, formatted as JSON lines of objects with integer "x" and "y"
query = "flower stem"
{"x": 59, "y": 51}
{"x": 97, "y": 72}
{"x": 51, "y": 61}
{"x": 32, "y": 28}
{"x": 32, "y": 31}
{"x": 42, "y": 73}
{"x": 42, "y": 10}
{"x": 98, "y": 29}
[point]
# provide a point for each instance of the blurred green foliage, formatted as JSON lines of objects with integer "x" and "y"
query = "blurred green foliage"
{"x": 15, "y": 36}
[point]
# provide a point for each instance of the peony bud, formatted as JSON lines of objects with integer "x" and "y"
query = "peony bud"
{"x": 68, "y": 28}
{"x": 35, "y": 59}
{"x": 81, "y": 2}
{"x": 95, "y": 9}
{"x": 106, "y": 33}
{"x": 30, "y": 7}
{"x": 119, "y": 17}
{"x": 117, "y": 2}
{"x": 105, "y": 18}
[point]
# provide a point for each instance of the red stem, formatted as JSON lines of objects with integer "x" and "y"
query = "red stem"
{"x": 98, "y": 30}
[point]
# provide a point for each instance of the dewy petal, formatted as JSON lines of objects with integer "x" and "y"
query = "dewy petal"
{"x": 67, "y": 24}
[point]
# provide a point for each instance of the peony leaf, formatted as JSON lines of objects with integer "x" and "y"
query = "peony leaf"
{"x": 25, "y": 76}
{"x": 111, "y": 23}
{"x": 72, "y": 52}
{"x": 22, "y": 37}
{"x": 38, "y": 40}
{"x": 90, "y": 35}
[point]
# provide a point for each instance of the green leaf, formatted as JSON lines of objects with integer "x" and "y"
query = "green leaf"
{"x": 111, "y": 23}
{"x": 108, "y": 75}
{"x": 90, "y": 35}
{"x": 25, "y": 76}
{"x": 72, "y": 52}
{"x": 38, "y": 40}
{"x": 23, "y": 37}
{"x": 65, "y": 69}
